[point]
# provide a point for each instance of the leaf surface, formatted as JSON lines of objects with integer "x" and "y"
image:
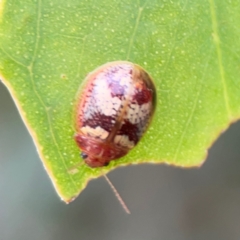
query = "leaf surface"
{"x": 190, "y": 48}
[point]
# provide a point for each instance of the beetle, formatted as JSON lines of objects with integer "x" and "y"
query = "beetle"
{"x": 113, "y": 111}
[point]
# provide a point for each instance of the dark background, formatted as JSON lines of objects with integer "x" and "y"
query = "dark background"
{"x": 166, "y": 202}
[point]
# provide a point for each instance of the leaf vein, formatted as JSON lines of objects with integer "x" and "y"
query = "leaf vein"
{"x": 217, "y": 43}
{"x": 12, "y": 58}
{"x": 140, "y": 10}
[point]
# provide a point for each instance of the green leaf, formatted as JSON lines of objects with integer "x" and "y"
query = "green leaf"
{"x": 190, "y": 48}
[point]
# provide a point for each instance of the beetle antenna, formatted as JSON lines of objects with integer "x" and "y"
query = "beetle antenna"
{"x": 123, "y": 204}
{"x": 74, "y": 170}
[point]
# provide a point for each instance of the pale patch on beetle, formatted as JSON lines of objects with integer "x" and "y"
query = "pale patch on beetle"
{"x": 95, "y": 132}
{"x": 124, "y": 80}
{"x": 137, "y": 113}
{"x": 124, "y": 141}
{"x": 106, "y": 104}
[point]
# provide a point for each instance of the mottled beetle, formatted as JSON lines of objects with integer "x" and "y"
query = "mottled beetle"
{"x": 113, "y": 111}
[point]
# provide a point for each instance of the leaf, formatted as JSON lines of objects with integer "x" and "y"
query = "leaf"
{"x": 190, "y": 48}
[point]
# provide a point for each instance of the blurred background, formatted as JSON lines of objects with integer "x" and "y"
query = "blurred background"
{"x": 166, "y": 202}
